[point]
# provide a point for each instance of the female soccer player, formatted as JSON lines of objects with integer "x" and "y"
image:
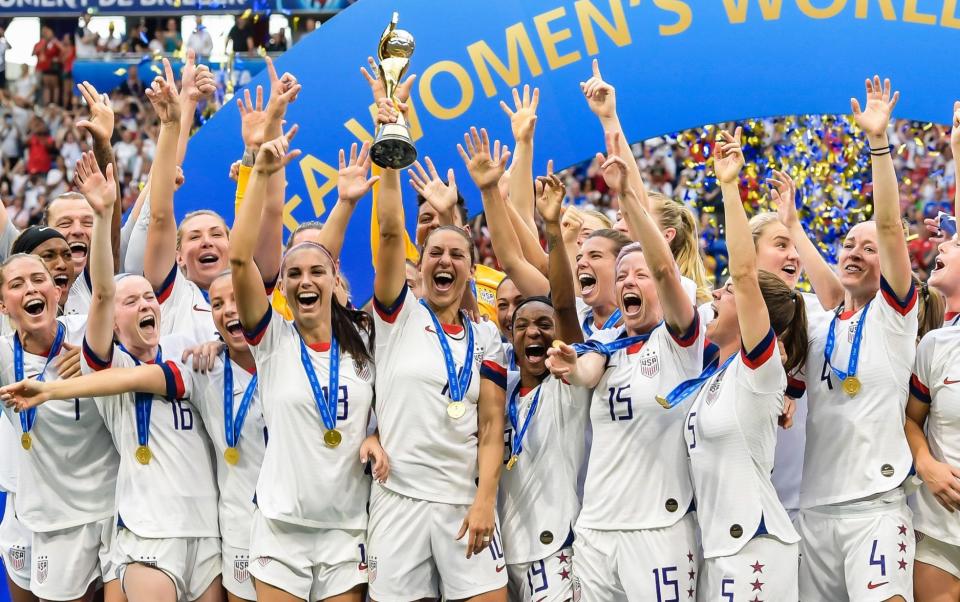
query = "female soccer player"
{"x": 70, "y": 512}
{"x": 749, "y": 543}
{"x": 636, "y": 538}
{"x": 440, "y": 407}
{"x": 945, "y": 277}
{"x": 305, "y": 545}
{"x": 931, "y": 430}
{"x": 545, "y": 417}
{"x": 854, "y": 515}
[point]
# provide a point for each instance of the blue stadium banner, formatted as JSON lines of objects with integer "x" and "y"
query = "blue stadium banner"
{"x": 676, "y": 64}
{"x": 23, "y": 8}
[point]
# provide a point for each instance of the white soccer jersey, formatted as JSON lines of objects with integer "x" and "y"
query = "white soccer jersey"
{"x": 538, "y": 496}
{"x": 634, "y": 435}
{"x": 936, "y": 381}
{"x": 237, "y": 482}
{"x": 9, "y": 454}
{"x": 855, "y": 445}
{"x": 731, "y": 432}
{"x": 175, "y": 494}
{"x": 68, "y": 476}
{"x": 80, "y": 296}
{"x": 184, "y": 308}
{"x": 298, "y": 466}
{"x": 587, "y": 323}
{"x": 788, "y": 461}
{"x": 433, "y": 457}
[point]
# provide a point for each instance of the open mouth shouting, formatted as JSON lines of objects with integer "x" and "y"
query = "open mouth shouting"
{"x": 61, "y": 280}
{"x": 790, "y": 269}
{"x": 588, "y": 283}
{"x": 35, "y": 306}
{"x": 535, "y": 353}
{"x": 208, "y": 259}
{"x": 308, "y": 299}
{"x": 632, "y": 303}
{"x": 443, "y": 281}
{"x": 234, "y": 328}
{"x": 148, "y": 324}
{"x": 78, "y": 249}
{"x": 938, "y": 264}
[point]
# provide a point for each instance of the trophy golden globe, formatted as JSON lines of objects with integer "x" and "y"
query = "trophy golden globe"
{"x": 393, "y": 146}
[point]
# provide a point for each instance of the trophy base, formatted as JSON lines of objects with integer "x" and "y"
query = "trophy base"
{"x": 393, "y": 147}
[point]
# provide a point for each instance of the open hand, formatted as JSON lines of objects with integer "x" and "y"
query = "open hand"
{"x": 163, "y": 96}
{"x": 100, "y": 123}
{"x": 874, "y": 119}
{"x": 26, "y": 394}
{"x": 783, "y": 193}
{"x": 352, "y": 180}
{"x": 441, "y": 195}
{"x": 100, "y": 191}
{"x": 276, "y": 154}
{"x": 523, "y": 117}
{"x": 485, "y": 167}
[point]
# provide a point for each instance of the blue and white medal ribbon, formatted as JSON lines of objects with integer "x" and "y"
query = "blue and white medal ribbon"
{"x": 849, "y": 382}
{"x": 519, "y": 434}
{"x": 29, "y": 416}
{"x": 692, "y": 385}
{"x": 458, "y": 383}
{"x": 233, "y": 427}
{"x": 327, "y": 404}
{"x": 610, "y": 323}
{"x": 144, "y": 404}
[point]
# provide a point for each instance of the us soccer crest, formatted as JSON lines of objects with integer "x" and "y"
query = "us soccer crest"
{"x": 650, "y": 365}
{"x": 852, "y": 332}
{"x": 714, "y": 390}
{"x": 18, "y": 558}
{"x": 42, "y": 567}
{"x": 240, "y": 569}
{"x": 362, "y": 368}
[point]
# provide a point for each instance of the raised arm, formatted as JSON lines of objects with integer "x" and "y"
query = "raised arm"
{"x": 441, "y": 195}
{"x": 100, "y": 126}
{"x": 602, "y": 99}
{"x": 196, "y": 82}
{"x": 678, "y": 312}
{"x": 486, "y": 164}
{"x": 101, "y": 194}
{"x": 751, "y": 308}
{"x": 584, "y": 371}
{"x": 550, "y": 193}
{"x": 523, "y": 121}
{"x": 252, "y": 303}
{"x": 161, "y": 251}
{"x": 390, "y": 277}
{"x": 353, "y": 183}
{"x": 894, "y": 257}
{"x": 826, "y": 283}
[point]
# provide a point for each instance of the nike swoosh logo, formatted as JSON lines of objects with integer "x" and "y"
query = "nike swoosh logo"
{"x": 363, "y": 566}
{"x": 872, "y": 585}
{"x": 501, "y": 567}
{"x": 947, "y": 381}
{"x": 198, "y": 308}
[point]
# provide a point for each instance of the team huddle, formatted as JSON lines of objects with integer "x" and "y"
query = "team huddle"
{"x": 197, "y": 410}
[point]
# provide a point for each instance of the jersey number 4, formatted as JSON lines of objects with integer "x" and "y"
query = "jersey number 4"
{"x": 621, "y": 405}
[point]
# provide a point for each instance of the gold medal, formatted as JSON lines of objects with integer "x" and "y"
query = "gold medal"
{"x": 851, "y": 385}
{"x": 663, "y": 401}
{"x": 26, "y": 441}
{"x": 456, "y": 409}
{"x": 556, "y": 344}
{"x": 143, "y": 454}
{"x": 231, "y": 455}
{"x": 332, "y": 438}
{"x": 512, "y": 462}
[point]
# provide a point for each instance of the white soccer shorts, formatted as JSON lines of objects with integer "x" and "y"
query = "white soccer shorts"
{"x": 15, "y": 542}
{"x": 764, "y": 569}
{"x": 65, "y": 562}
{"x": 192, "y": 563}
{"x": 550, "y": 579}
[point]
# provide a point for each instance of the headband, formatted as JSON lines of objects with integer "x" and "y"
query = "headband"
{"x": 33, "y": 237}
{"x": 313, "y": 245}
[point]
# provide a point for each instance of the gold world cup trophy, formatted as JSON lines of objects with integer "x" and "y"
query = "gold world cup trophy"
{"x": 393, "y": 146}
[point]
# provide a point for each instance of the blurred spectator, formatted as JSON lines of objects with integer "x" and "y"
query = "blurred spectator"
{"x": 25, "y": 87}
{"x": 4, "y": 47}
{"x": 112, "y": 42}
{"x": 132, "y": 86}
{"x": 86, "y": 39}
{"x": 200, "y": 40}
{"x": 40, "y": 148}
{"x": 309, "y": 25}
{"x": 278, "y": 41}
{"x": 69, "y": 55}
{"x": 9, "y": 142}
{"x": 170, "y": 37}
{"x": 49, "y": 64}
{"x": 240, "y": 37}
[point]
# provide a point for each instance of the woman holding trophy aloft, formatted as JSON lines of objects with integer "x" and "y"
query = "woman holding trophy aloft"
{"x": 440, "y": 407}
